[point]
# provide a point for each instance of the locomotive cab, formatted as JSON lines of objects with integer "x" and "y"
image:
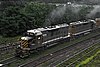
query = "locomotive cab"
{"x": 28, "y": 42}
{"x": 23, "y": 47}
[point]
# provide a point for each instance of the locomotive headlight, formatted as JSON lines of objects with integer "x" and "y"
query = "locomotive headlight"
{"x": 19, "y": 45}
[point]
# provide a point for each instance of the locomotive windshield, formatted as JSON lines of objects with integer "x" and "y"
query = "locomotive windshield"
{"x": 26, "y": 38}
{"x": 29, "y": 34}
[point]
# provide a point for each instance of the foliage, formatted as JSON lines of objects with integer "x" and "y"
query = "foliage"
{"x": 15, "y": 20}
{"x": 84, "y": 12}
{"x": 87, "y": 60}
{"x": 72, "y": 16}
{"x": 38, "y": 11}
{"x": 90, "y": 2}
{"x": 6, "y": 40}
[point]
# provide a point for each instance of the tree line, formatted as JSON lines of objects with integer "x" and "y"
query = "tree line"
{"x": 15, "y": 20}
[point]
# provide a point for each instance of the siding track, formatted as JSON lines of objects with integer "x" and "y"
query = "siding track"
{"x": 83, "y": 45}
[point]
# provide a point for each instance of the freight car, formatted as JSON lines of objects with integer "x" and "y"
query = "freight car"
{"x": 41, "y": 38}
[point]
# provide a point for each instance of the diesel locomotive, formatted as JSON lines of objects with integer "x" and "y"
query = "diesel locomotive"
{"x": 41, "y": 38}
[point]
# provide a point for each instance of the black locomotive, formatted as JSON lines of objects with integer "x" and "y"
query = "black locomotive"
{"x": 41, "y": 38}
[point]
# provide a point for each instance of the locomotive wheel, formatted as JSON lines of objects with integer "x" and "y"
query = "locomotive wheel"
{"x": 24, "y": 54}
{"x": 18, "y": 52}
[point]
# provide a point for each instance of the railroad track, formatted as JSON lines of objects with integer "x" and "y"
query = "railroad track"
{"x": 95, "y": 60}
{"x": 68, "y": 54}
{"x": 48, "y": 57}
{"x": 39, "y": 60}
{"x": 55, "y": 63}
{"x": 80, "y": 58}
{"x": 8, "y": 61}
{"x": 5, "y": 48}
{"x": 6, "y": 51}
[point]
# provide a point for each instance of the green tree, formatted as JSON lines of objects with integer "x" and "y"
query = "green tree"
{"x": 38, "y": 11}
{"x": 16, "y": 20}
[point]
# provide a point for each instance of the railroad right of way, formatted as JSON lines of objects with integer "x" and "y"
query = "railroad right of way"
{"x": 39, "y": 61}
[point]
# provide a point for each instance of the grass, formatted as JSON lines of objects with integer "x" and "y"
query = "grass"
{"x": 5, "y": 40}
{"x": 85, "y": 56}
{"x": 95, "y": 62}
{"x": 88, "y": 60}
{"x": 7, "y": 54}
{"x": 48, "y": 51}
